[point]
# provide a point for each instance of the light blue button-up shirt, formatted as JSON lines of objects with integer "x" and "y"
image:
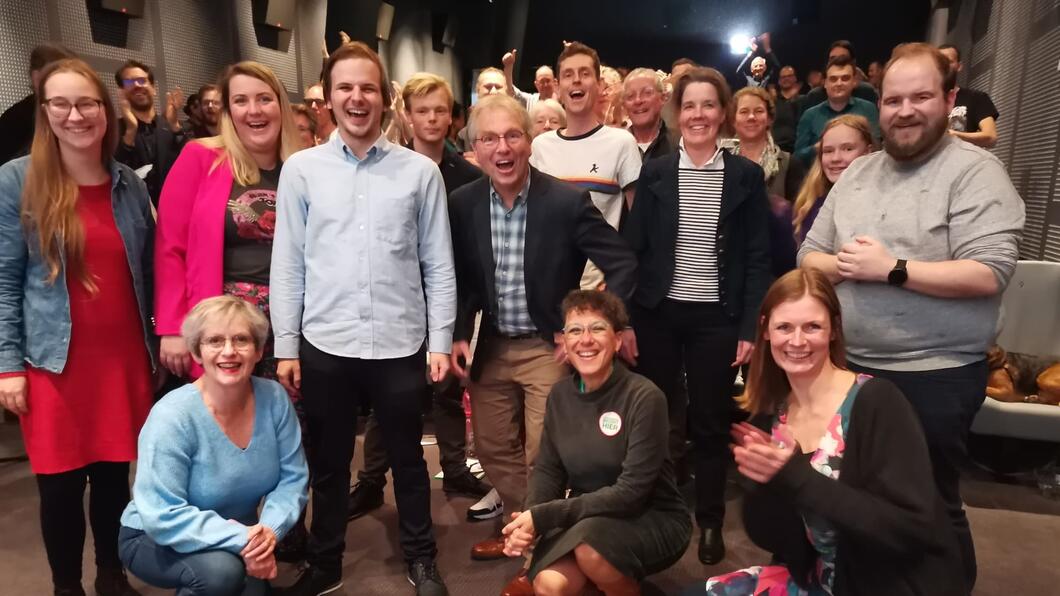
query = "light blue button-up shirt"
{"x": 362, "y": 259}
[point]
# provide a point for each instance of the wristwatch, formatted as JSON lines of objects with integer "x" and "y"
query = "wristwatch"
{"x": 898, "y": 275}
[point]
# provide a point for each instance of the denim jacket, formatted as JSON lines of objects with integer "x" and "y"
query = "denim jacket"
{"x": 35, "y": 314}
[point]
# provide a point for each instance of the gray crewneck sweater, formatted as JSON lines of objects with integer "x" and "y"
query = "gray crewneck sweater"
{"x": 956, "y": 203}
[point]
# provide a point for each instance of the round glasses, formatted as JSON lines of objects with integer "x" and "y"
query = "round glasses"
{"x": 512, "y": 138}
{"x": 59, "y": 107}
{"x": 217, "y": 343}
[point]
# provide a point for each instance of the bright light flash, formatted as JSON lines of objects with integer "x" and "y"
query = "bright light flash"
{"x": 739, "y": 43}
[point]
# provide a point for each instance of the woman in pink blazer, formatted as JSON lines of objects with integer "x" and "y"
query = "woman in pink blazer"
{"x": 217, "y": 211}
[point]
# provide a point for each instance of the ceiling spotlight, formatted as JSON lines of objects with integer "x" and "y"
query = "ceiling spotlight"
{"x": 739, "y": 43}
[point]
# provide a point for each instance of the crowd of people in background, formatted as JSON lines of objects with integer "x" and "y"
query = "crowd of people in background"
{"x": 223, "y": 296}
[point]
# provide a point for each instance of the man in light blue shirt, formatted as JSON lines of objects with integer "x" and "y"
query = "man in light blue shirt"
{"x": 362, "y": 275}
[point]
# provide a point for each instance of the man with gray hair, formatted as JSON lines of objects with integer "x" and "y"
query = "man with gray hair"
{"x": 521, "y": 240}
{"x": 920, "y": 274}
{"x": 760, "y": 73}
{"x": 644, "y": 97}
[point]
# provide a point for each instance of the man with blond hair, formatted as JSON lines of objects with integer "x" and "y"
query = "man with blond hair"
{"x": 428, "y": 102}
{"x": 521, "y": 240}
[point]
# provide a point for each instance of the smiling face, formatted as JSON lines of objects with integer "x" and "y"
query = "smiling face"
{"x": 357, "y": 100}
{"x": 545, "y": 82}
{"x": 232, "y": 361}
{"x": 701, "y": 115}
{"x": 430, "y": 116}
{"x": 591, "y": 344}
{"x": 507, "y": 163}
{"x": 840, "y": 145}
{"x": 914, "y": 110}
{"x": 752, "y": 118}
{"x": 255, "y": 112}
{"x": 138, "y": 89}
{"x": 579, "y": 85}
{"x": 787, "y": 78}
{"x": 799, "y": 333}
{"x": 643, "y": 102}
{"x": 758, "y": 67}
{"x": 74, "y": 131}
{"x": 210, "y": 103}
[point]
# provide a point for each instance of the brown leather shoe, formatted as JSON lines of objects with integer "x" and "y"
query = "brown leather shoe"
{"x": 489, "y": 549}
{"x": 519, "y": 586}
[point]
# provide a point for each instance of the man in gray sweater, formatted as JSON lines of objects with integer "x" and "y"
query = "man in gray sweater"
{"x": 921, "y": 240}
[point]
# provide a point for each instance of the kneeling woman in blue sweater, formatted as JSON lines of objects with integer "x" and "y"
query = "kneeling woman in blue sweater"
{"x": 210, "y": 453}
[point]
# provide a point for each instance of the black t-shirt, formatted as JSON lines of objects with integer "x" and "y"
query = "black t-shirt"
{"x": 971, "y": 108}
{"x": 250, "y": 222}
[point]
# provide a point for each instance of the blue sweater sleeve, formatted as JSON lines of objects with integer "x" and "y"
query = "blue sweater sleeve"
{"x": 284, "y": 503}
{"x": 161, "y": 490}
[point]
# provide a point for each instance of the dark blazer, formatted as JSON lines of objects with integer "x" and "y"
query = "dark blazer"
{"x": 742, "y": 241}
{"x": 894, "y": 536}
{"x": 563, "y": 229}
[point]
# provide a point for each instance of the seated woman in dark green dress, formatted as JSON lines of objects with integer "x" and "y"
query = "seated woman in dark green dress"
{"x": 604, "y": 441}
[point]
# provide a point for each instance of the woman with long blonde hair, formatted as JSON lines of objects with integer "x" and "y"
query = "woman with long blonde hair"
{"x": 217, "y": 211}
{"x": 843, "y": 140}
{"x": 76, "y": 347}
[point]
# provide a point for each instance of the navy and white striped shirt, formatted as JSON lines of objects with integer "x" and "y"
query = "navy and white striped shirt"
{"x": 699, "y": 205}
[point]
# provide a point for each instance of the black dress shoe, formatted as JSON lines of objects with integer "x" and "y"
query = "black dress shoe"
{"x": 465, "y": 484}
{"x": 364, "y": 497}
{"x": 711, "y": 546}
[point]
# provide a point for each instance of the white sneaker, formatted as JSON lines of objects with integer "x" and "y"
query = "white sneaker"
{"x": 488, "y": 507}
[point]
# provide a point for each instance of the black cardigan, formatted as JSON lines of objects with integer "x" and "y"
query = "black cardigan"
{"x": 894, "y": 537}
{"x": 741, "y": 242}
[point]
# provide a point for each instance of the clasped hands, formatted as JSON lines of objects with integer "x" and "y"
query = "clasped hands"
{"x": 864, "y": 259}
{"x": 259, "y": 555}
{"x": 758, "y": 456}
{"x": 519, "y": 534}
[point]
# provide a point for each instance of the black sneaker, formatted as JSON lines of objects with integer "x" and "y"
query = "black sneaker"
{"x": 312, "y": 582}
{"x": 364, "y": 497}
{"x": 112, "y": 582}
{"x": 465, "y": 484}
{"x": 424, "y": 575}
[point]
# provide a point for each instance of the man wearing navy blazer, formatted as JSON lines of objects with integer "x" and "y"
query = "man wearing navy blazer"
{"x": 520, "y": 239}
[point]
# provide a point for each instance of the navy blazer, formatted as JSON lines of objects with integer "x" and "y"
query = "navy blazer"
{"x": 563, "y": 229}
{"x": 741, "y": 241}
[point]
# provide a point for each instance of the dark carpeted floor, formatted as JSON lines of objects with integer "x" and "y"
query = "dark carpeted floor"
{"x": 1016, "y": 532}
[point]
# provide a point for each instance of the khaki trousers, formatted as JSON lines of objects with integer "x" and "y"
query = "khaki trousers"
{"x": 508, "y": 413}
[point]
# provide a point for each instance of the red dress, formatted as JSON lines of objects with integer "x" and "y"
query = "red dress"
{"x": 93, "y": 410}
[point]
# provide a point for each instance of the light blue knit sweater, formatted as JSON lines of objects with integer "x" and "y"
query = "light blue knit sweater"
{"x": 195, "y": 490}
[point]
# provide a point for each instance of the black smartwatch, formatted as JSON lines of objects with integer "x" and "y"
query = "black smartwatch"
{"x": 898, "y": 275}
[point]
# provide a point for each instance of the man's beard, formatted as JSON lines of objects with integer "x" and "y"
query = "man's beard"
{"x": 927, "y": 140}
{"x": 141, "y": 102}
{"x": 211, "y": 119}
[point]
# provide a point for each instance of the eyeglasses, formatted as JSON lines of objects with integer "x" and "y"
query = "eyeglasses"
{"x": 313, "y": 103}
{"x": 135, "y": 82}
{"x": 513, "y": 138}
{"x": 597, "y": 329}
{"x": 217, "y": 343}
{"x": 212, "y": 103}
{"x": 59, "y": 107}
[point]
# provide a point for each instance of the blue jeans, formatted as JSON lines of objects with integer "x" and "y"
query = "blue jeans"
{"x": 205, "y": 573}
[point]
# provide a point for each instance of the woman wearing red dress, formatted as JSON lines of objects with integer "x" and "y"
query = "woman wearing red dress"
{"x": 76, "y": 347}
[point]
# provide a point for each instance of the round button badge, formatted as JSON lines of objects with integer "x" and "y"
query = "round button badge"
{"x": 610, "y": 423}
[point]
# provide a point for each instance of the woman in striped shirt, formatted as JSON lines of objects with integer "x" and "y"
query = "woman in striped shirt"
{"x": 699, "y": 227}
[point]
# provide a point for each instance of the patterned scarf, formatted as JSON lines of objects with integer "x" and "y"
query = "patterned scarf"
{"x": 770, "y": 160}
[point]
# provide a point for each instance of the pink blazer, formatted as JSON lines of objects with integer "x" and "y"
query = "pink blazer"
{"x": 189, "y": 241}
